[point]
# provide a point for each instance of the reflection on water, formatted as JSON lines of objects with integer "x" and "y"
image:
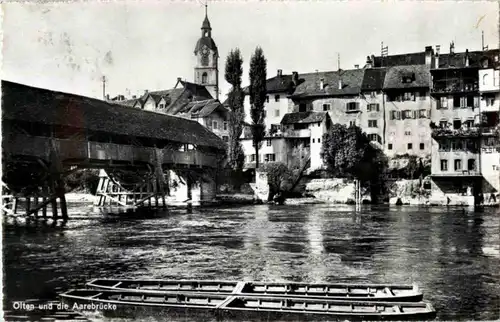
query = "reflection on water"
{"x": 452, "y": 255}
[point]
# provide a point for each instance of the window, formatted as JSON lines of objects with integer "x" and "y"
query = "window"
{"x": 410, "y": 146}
{"x": 225, "y": 138}
{"x": 352, "y": 107}
{"x": 224, "y": 126}
{"x": 264, "y": 113}
{"x": 373, "y": 107}
{"x": 270, "y": 157}
{"x": 162, "y": 105}
{"x": 372, "y": 123}
{"x": 252, "y": 157}
{"x": 457, "y": 124}
{"x": 407, "y": 114}
{"x": 277, "y": 113}
{"x": 422, "y": 146}
{"x": 471, "y": 165}
{"x": 458, "y": 165}
{"x": 443, "y": 102}
{"x": 389, "y": 146}
{"x": 352, "y": 123}
{"x": 422, "y": 114}
{"x": 204, "y": 78}
{"x": 276, "y": 98}
{"x": 313, "y": 140}
{"x": 302, "y": 107}
{"x": 395, "y": 115}
{"x": 319, "y": 140}
{"x": 326, "y": 107}
{"x": 423, "y": 95}
{"x": 470, "y": 101}
{"x": 485, "y": 79}
{"x": 456, "y": 101}
{"x": 444, "y": 165}
{"x": 375, "y": 137}
{"x": 407, "y": 133}
{"x": 215, "y": 125}
{"x": 443, "y": 124}
{"x": 267, "y": 99}
{"x": 444, "y": 146}
{"x": 268, "y": 142}
{"x": 457, "y": 145}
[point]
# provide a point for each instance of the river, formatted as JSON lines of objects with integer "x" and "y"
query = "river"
{"x": 452, "y": 254}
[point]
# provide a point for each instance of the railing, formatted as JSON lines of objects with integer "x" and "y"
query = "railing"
{"x": 461, "y": 173}
{"x": 443, "y": 132}
{"x": 303, "y": 133}
{"x": 456, "y": 87}
{"x": 20, "y": 144}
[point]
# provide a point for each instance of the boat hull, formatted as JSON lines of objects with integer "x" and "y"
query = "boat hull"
{"x": 358, "y": 292}
{"x": 209, "y": 307}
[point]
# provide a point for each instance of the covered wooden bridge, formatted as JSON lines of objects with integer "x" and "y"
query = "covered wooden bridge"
{"x": 48, "y": 134}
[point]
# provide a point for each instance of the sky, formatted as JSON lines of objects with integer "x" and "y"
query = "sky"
{"x": 146, "y": 45}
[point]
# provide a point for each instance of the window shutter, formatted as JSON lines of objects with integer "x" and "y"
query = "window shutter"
{"x": 415, "y": 116}
{"x": 398, "y": 115}
{"x": 476, "y": 101}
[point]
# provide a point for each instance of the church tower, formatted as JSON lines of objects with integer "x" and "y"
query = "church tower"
{"x": 206, "y": 71}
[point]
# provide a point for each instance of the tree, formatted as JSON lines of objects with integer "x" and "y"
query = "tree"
{"x": 348, "y": 153}
{"x": 233, "y": 73}
{"x": 258, "y": 92}
{"x": 279, "y": 179}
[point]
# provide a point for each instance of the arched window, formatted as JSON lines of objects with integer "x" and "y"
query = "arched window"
{"x": 485, "y": 79}
{"x": 204, "y": 78}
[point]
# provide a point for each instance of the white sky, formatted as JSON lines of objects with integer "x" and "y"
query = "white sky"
{"x": 142, "y": 45}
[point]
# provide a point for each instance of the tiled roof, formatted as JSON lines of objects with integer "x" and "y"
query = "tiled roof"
{"x": 201, "y": 108}
{"x": 419, "y": 74}
{"x": 303, "y": 117}
{"x": 373, "y": 79}
{"x": 277, "y": 84}
{"x": 30, "y": 104}
{"x": 310, "y": 83}
{"x": 457, "y": 60}
{"x": 199, "y": 92}
{"x": 399, "y": 60}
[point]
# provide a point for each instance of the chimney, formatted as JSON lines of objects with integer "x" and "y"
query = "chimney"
{"x": 107, "y": 97}
{"x": 280, "y": 72}
{"x": 134, "y": 96}
{"x": 295, "y": 78}
{"x": 322, "y": 83}
{"x": 452, "y": 47}
{"x": 341, "y": 85}
{"x": 429, "y": 52}
{"x": 467, "y": 58}
{"x": 146, "y": 92}
{"x": 356, "y": 66}
{"x": 436, "y": 59}
{"x": 369, "y": 62}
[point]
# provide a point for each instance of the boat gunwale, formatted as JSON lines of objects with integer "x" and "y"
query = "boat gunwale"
{"x": 412, "y": 286}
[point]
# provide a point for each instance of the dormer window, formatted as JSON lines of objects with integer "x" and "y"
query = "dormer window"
{"x": 408, "y": 78}
{"x": 162, "y": 105}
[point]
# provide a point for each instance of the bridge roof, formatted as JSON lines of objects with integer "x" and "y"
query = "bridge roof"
{"x": 31, "y": 104}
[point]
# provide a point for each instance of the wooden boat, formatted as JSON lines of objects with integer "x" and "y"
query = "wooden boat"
{"x": 133, "y": 304}
{"x": 359, "y": 292}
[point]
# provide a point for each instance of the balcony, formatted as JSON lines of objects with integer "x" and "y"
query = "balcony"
{"x": 303, "y": 133}
{"x": 459, "y": 174}
{"x": 457, "y": 133}
{"x": 446, "y": 87}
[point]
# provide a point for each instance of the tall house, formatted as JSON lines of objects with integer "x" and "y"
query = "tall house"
{"x": 459, "y": 127}
{"x": 277, "y": 104}
{"x": 489, "y": 108}
{"x": 206, "y": 70}
{"x": 373, "y": 117}
{"x": 407, "y": 110}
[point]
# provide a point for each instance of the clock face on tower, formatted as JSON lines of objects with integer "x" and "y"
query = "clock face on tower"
{"x": 204, "y": 56}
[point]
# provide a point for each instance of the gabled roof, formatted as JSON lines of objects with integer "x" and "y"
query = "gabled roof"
{"x": 36, "y": 105}
{"x": 351, "y": 81}
{"x": 303, "y": 117}
{"x": 373, "y": 79}
{"x": 419, "y": 74}
{"x": 399, "y": 60}
{"x": 201, "y": 108}
{"x": 199, "y": 92}
{"x": 276, "y": 84}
